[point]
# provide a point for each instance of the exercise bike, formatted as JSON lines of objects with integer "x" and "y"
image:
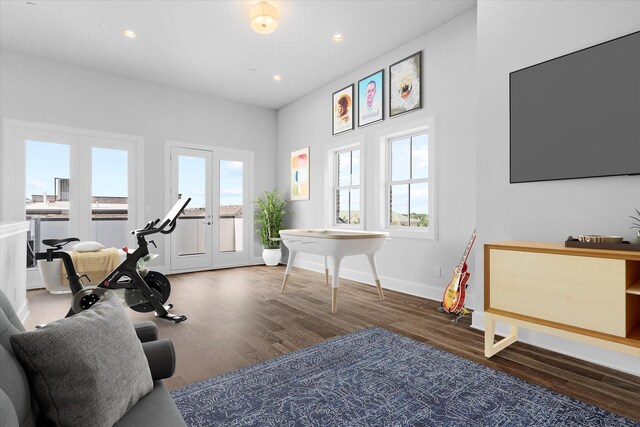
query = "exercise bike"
{"x": 142, "y": 290}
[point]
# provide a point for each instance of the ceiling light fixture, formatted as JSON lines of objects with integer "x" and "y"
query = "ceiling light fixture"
{"x": 338, "y": 37}
{"x": 277, "y": 77}
{"x": 264, "y": 18}
{"x": 128, "y": 33}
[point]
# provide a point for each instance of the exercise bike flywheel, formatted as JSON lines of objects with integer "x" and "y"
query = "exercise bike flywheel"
{"x": 160, "y": 287}
{"x": 87, "y": 297}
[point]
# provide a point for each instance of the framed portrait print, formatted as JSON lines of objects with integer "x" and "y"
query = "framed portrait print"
{"x": 343, "y": 110}
{"x": 300, "y": 174}
{"x": 370, "y": 99}
{"x": 405, "y": 81}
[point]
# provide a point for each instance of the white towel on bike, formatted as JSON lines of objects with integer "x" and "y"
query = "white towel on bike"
{"x": 96, "y": 265}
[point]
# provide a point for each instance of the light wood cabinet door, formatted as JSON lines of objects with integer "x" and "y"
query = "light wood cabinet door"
{"x": 578, "y": 291}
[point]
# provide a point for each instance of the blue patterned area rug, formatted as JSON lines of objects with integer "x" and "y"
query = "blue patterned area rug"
{"x": 378, "y": 378}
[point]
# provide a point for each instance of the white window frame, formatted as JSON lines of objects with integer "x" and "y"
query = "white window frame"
{"x": 428, "y": 126}
{"x": 331, "y": 182}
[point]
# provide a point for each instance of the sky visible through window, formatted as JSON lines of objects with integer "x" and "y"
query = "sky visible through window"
{"x": 192, "y": 181}
{"x": 231, "y": 182}
{"x": 410, "y": 160}
{"x": 46, "y": 161}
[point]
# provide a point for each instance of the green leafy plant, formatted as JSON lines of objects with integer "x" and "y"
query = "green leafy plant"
{"x": 269, "y": 214}
{"x": 637, "y": 223}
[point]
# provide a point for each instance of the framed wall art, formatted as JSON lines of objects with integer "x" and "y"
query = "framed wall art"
{"x": 405, "y": 81}
{"x": 370, "y": 99}
{"x": 343, "y": 110}
{"x": 300, "y": 174}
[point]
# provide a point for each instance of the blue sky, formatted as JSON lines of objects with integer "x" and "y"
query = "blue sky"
{"x": 192, "y": 181}
{"x": 46, "y": 161}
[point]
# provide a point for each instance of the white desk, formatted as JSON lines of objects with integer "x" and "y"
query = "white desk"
{"x": 335, "y": 245}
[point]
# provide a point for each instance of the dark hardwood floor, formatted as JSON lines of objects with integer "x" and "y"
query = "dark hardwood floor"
{"x": 237, "y": 317}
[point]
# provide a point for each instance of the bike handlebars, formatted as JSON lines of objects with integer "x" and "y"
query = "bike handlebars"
{"x": 171, "y": 220}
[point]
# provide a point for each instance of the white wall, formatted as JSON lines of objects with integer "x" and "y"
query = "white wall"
{"x": 449, "y": 90}
{"x": 45, "y": 91}
{"x": 513, "y": 35}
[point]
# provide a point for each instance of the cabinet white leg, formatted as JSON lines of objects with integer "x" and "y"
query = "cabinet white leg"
{"x": 374, "y": 270}
{"x": 292, "y": 256}
{"x": 490, "y": 348}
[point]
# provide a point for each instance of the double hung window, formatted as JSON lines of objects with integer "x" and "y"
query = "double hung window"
{"x": 347, "y": 187}
{"x": 409, "y": 187}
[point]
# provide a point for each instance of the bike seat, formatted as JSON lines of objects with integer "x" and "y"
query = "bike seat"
{"x": 58, "y": 243}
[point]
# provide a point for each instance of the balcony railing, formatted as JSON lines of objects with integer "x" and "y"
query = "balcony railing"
{"x": 114, "y": 232}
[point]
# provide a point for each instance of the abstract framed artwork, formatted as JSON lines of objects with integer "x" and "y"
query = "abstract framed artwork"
{"x": 300, "y": 174}
{"x": 405, "y": 84}
{"x": 370, "y": 99}
{"x": 342, "y": 110}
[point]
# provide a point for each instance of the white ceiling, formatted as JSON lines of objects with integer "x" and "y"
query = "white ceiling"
{"x": 209, "y": 47}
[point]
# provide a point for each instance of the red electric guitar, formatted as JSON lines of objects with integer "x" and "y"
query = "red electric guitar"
{"x": 454, "y": 295}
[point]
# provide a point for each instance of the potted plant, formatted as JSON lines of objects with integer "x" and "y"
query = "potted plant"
{"x": 269, "y": 215}
{"x": 636, "y": 225}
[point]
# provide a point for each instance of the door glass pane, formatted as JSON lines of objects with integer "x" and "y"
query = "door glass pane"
{"x": 355, "y": 206}
{"x": 419, "y": 157}
{"x": 399, "y": 205}
{"x": 342, "y": 207}
{"x": 47, "y": 194}
{"x": 400, "y": 159}
{"x": 193, "y": 222}
{"x": 109, "y": 197}
{"x": 419, "y": 204}
{"x": 231, "y": 204}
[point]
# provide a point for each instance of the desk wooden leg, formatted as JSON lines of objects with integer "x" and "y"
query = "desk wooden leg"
{"x": 490, "y": 348}
{"x": 292, "y": 256}
{"x": 334, "y": 284}
{"x": 326, "y": 272}
{"x": 374, "y": 270}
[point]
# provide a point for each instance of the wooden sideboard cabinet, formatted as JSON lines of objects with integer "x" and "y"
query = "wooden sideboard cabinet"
{"x": 590, "y": 295}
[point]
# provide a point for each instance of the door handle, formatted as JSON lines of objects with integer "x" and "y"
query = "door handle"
{"x": 206, "y": 222}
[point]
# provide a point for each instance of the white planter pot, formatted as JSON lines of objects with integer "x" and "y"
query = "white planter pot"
{"x": 271, "y": 256}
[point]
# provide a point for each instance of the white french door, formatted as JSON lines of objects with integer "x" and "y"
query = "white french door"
{"x": 71, "y": 182}
{"x": 215, "y": 229}
{"x": 191, "y": 176}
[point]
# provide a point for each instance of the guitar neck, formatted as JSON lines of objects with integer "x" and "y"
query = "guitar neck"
{"x": 467, "y": 251}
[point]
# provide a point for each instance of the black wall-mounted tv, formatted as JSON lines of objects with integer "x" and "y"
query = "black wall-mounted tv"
{"x": 578, "y": 115}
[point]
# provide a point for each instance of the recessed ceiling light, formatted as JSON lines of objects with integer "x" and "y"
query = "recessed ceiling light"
{"x": 338, "y": 37}
{"x": 128, "y": 33}
{"x": 277, "y": 77}
{"x": 253, "y": 70}
{"x": 32, "y": 4}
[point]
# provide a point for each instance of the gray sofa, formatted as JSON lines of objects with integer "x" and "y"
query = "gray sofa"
{"x": 19, "y": 408}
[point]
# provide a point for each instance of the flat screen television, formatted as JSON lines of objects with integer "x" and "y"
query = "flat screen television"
{"x": 577, "y": 116}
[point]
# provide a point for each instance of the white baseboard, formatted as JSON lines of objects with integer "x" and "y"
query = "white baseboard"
{"x": 429, "y": 291}
{"x": 611, "y": 359}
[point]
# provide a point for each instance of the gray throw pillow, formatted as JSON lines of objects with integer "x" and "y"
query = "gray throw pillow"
{"x": 85, "y": 370}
